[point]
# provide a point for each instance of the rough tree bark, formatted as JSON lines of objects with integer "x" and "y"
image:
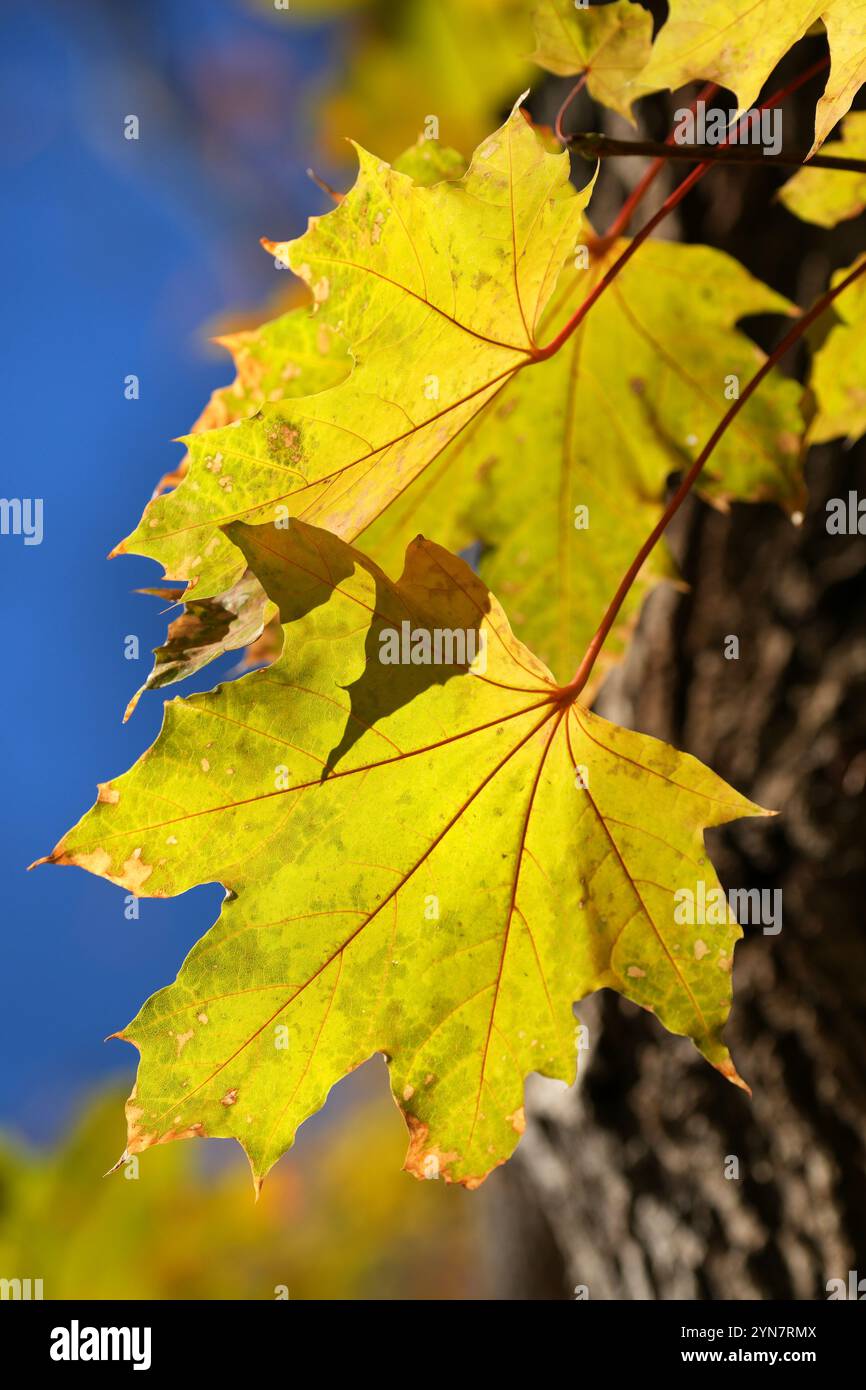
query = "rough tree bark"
{"x": 619, "y": 1183}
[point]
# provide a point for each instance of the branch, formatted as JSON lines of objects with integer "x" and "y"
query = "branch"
{"x": 593, "y": 146}
{"x": 584, "y": 670}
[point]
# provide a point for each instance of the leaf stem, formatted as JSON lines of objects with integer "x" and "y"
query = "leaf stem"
{"x": 582, "y": 674}
{"x": 541, "y": 354}
{"x": 578, "y": 87}
{"x": 594, "y": 146}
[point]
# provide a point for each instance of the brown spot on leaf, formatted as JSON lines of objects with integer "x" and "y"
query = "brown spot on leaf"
{"x": 96, "y": 861}
{"x": 134, "y": 872}
{"x": 729, "y": 1071}
{"x": 424, "y": 1160}
{"x": 518, "y": 1120}
{"x": 140, "y": 1139}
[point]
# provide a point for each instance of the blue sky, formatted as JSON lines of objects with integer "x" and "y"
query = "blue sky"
{"x": 117, "y": 257}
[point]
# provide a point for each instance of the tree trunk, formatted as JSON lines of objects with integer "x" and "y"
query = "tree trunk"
{"x": 625, "y": 1184}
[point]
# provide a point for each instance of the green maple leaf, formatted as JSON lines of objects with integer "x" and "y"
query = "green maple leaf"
{"x": 433, "y": 861}
{"x": 737, "y": 43}
{"x": 610, "y": 43}
{"x": 830, "y": 196}
{"x": 628, "y": 401}
{"x": 838, "y": 376}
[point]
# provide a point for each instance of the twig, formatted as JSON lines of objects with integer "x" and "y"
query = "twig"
{"x": 332, "y": 193}
{"x": 593, "y": 146}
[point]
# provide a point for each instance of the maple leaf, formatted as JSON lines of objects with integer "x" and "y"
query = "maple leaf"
{"x": 838, "y": 376}
{"x": 461, "y": 271}
{"x": 737, "y": 43}
{"x": 624, "y": 404}
{"x": 432, "y": 860}
{"x": 610, "y": 43}
{"x": 829, "y": 196}
{"x": 297, "y": 353}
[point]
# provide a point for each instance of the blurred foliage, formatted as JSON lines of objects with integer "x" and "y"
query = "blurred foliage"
{"x": 340, "y": 1221}
{"x": 309, "y": 9}
{"x": 462, "y": 61}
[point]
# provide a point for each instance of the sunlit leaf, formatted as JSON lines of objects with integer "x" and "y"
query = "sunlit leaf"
{"x": 440, "y": 292}
{"x": 432, "y": 859}
{"x": 439, "y": 426}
